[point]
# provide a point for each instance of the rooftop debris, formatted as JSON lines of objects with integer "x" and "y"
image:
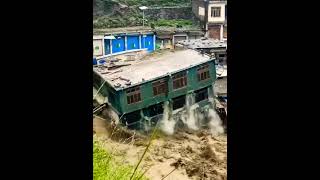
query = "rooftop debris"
{"x": 202, "y": 43}
{"x": 221, "y": 71}
{"x": 120, "y": 74}
{"x": 165, "y": 29}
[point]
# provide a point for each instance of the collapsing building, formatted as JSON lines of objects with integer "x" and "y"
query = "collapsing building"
{"x": 219, "y": 50}
{"x": 140, "y": 93}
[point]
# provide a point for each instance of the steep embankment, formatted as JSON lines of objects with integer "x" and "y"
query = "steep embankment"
{"x": 126, "y": 13}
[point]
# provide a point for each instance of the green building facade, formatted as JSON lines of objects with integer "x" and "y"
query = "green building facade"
{"x": 136, "y": 104}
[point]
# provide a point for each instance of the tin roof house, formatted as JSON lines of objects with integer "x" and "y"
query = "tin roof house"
{"x": 116, "y": 41}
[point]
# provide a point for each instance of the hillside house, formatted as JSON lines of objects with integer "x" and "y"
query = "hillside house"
{"x": 213, "y": 17}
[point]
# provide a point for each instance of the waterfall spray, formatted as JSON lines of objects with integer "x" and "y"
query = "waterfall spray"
{"x": 167, "y": 123}
{"x": 215, "y": 123}
{"x": 192, "y": 119}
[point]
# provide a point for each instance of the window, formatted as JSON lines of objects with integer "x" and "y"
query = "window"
{"x": 133, "y": 95}
{"x": 222, "y": 55}
{"x": 215, "y": 11}
{"x": 203, "y": 72}
{"x": 178, "y": 102}
{"x": 201, "y": 94}
{"x": 153, "y": 110}
{"x": 160, "y": 87}
{"x": 132, "y": 120}
{"x": 179, "y": 80}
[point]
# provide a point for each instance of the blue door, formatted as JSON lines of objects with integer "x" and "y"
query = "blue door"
{"x": 132, "y": 42}
{"x": 118, "y": 44}
{"x": 147, "y": 42}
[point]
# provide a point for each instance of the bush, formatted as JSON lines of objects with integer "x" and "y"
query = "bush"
{"x": 155, "y": 2}
{"x": 106, "y": 17}
{"x": 173, "y": 22}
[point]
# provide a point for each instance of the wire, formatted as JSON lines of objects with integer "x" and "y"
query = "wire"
{"x": 169, "y": 173}
{"x": 94, "y": 97}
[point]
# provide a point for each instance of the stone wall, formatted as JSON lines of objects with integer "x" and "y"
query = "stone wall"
{"x": 169, "y": 13}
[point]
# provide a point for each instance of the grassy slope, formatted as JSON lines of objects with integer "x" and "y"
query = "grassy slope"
{"x": 106, "y": 168}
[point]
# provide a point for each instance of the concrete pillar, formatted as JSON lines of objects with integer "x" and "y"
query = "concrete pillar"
{"x": 125, "y": 43}
{"x": 140, "y": 41}
{"x": 206, "y": 31}
{"x": 173, "y": 40}
{"x": 221, "y": 32}
{"x": 143, "y": 40}
{"x": 154, "y": 42}
{"x": 111, "y": 46}
{"x": 206, "y": 17}
{"x": 103, "y": 51}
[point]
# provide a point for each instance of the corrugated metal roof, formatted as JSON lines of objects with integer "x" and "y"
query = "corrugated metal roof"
{"x": 122, "y": 30}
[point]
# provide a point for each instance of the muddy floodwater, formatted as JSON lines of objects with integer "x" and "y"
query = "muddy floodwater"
{"x": 187, "y": 154}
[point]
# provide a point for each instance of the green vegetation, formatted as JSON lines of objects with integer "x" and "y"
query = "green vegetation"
{"x": 114, "y": 22}
{"x": 173, "y": 22}
{"x": 125, "y": 13}
{"x": 155, "y": 2}
{"x": 105, "y": 166}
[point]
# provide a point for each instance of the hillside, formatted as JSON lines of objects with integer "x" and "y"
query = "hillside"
{"x": 126, "y": 13}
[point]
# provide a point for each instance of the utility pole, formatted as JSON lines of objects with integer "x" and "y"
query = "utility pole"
{"x": 143, "y": 8}
{"x": 143, "y": 18}
{"x": 206, "y": 9}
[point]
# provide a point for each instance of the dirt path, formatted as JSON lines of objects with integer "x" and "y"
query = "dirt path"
{"x": 191, "y": 155}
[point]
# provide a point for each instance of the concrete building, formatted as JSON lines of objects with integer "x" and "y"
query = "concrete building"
{"x": 208, "y": 46}
{"x": 167, "y": 37}
{"x": 137, "y": 92}
{"x": 117, "y": 41}
{"x": 213, "y": 17}
{"x": 98, "y": 49}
